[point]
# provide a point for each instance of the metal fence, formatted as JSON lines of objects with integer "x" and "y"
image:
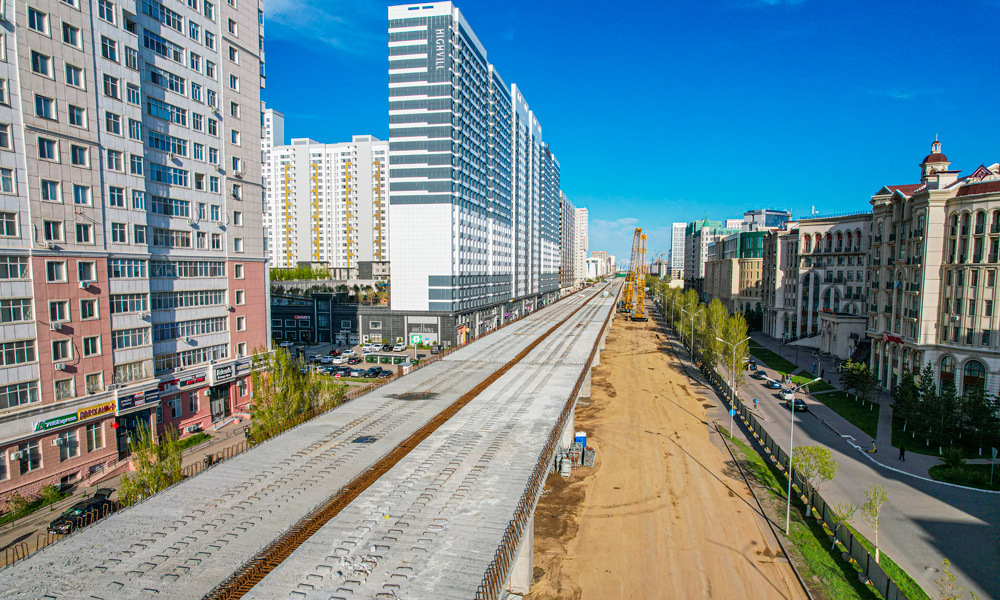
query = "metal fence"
{"x": 771, "y": 450}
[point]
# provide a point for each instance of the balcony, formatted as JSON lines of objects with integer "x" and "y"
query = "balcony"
{"x": 912, "y": 313}
{"x": 874, "y": 285}
{"x": 980, "y": 228}
{"x": 913, "y": 287}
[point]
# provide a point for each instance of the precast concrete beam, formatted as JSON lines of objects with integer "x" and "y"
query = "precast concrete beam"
{"x": 597, "y": 360}
{"x": 569, "y": 431}
{"x": 524, "y": 565}
{"x": 585, "y": 388}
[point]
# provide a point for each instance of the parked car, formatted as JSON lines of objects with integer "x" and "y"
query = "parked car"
{"x": 368, "y": 351}
{"x": 287, "y": 344}
{"x": 326, "y": 360}
{"x": 385, "y": 374}
{"x": 339, "y": 360}
{"x": 316, "y": 358}
{"x": 399, "y": 348}
{"x": 798, "y": 403}
{"x": 98, "y": 506}
{"x": 357, "y": 372}
{"x": 373, "y": 372}
{"x": 386, "y": 347}
{"x": 102, "y": 494}
{"x": 436, "y": 349}
{"x": 787, "y": 394}
{"x": 772, "y": 385}
{"x": 335, "y": 352}
{"x": 353, "y": 360}
{"x": 349, "y": 353}
{"x": 753, "y": 366}
{"x": 758, "y": 375}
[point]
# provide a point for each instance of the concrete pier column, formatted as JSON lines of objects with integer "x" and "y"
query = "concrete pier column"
{"x": 585, "y": 388}
{"x": 524, "y": 565}
{"x": 597, "y": 360}
{"x": 569, "y": 431}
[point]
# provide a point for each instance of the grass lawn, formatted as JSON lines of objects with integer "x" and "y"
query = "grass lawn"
{"x": 773, "y": 361}
{"x": 977, "y": 476}
{"x": 910, "y": 588}
{"x": 194, "y": 440}
{"x": 820, "y": 566}
{"x": 864, "y": 417}
{"x": 819, "y": 386}
{"x": 34, "y": 505}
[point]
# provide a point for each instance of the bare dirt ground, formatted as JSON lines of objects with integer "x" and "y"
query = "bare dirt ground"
{"x": 660, "y": 514}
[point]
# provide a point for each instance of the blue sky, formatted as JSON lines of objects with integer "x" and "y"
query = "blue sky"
{"x": 665, "y": 111}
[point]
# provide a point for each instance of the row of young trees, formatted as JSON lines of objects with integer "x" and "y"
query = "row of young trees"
{"x": 970, "y": 421}
{"x": 357, "y": 293}
{"x": 300, "y": 273}
{"x": 716, "y": 332}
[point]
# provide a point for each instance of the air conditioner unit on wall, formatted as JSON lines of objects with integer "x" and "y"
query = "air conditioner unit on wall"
{"x": 84, "y": 285}
{"x": 19, "y": 455}
{"x": 58, "y": 441}
{"x": 59, "y": 366}
{"x": 55, "y": 326}
{"x": 192, "y": 428}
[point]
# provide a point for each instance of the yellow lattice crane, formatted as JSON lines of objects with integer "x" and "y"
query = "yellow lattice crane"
{"x": 639, "y": 307}
{"x": 347, "y": 201}
{"x": 628, "y": 300}
{"x": 377, "y": 176}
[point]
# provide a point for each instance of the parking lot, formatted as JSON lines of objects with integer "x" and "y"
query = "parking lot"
{"x": 393, "y": 364}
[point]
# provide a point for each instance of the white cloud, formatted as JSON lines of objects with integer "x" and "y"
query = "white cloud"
{"x": 355, "y": 27}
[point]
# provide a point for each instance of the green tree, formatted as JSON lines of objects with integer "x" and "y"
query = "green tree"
{"x": 735, "y": 335}
{"x": 944, "y": 413}
{"x": 715, "y": 321}
{"x": 842, "y": 514}
{"x": 982, "y": 413}
{"x": 948, "y": 584}
{"x": 816, "y": 465}
{"x": 156, "y": 466}
{"x": 905, "y": 399}
{"x": 286, "y": 393}
{"x": 871, "y": 510}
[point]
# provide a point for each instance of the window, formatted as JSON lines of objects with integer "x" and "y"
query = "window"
{"x": 13, "y": 267}
{"x": 212, "y": 98}
{"x": 106, "y": 10}
{"x": 4, "y": 99}
{"x": 71, "y": 35}
{"x": 195, "y": 62}
{"x": 232, "y": 28}
{"x": 237, "y": 215}
{"x": 135, "y": 129}
{"x": 32, "y": 458}
{"x": 216, "y": 241}
{"x": 237, "y": 163}
{"x": 213, "y": 184}
{"x": 215, "y": 212}
{"x": 241, "y": 297}
{"x": 202, "y": 240}
{"x": 111, "y": 86}
{"x": 68, "y": 446}
{"x": 234, "y": 109}
{"x": 55, "y": 271}
{"x": 92, "y": 346}
{"x": 114, "y": 162}
{"x": 163, "y": 15}
{"x": 95, "y": 437}
{"x": 116, "y": 196}
{"x": 129, "y": 303}
{"x": 16, "y": 310}
{"x": 139, "y": 234}
{"x": 74, "y": 76}
{"x": 175, "y": 407}
{"x": 81, "y": 195}
{"x": 53, "y": 231}
{"x": 113, "y": 123}
{"x": 132, "y": 58}
{"x": 213, "y": 127}
{"x": 61, "y": 350}
{"x": 77, "y": 117}
{"x": 8, "y": 221}
{"x": 209, "y": 10}
{"x": 45, "y": 107}
{"x": 167, "y": 112}
{"x": 193, "y": 403}
{"x": 234, "y": 55}
{"x": 84, "y": 233}
{"x": 199, "y": 151}
{"x": 132, "y": 95}
{"x": 109, "y": 48}
{"x": 241, "y": 349}
{"x": 210, "y": 71}
{"x": 38, "y": 21}
{"x": 118, "y": 234}
{"x": 210, "y": 40}
{"x": 94, "y": 382}
{"x": 129, "y": 372}
{"x": 163, "y": 47}
{"x": 50, "y": 191}
{"x": 18, "y": 394}
{"x": 88, "y": 309}
{"x": 237, "y": 244}
{"x": 168, "y": 175}
{"x": 213, "y": 156}
{"x": 989, "y": 308}
{"x": 79, "y": 155}
{"x": 241, "y": 323}
{"x": 17, "y": 353}
{"x": 135, "y": 164}
{"x": 47, "y": 149}
{"x": 41, "y": 64}
{"x": 129, "y": 338}
{"x": 234, "y": 83}
{"x": 5, "y": 136}
{"x": 171, "y": 238}
{"x": 196, "y": 92}
{"x": 234, "y": 137}
{"x": 138, "y": 200}
{"x": 85, "y": 271}
{"x": 194, "y": 32}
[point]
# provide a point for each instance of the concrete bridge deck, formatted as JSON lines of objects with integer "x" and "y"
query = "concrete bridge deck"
{"x": 189, "y": 538}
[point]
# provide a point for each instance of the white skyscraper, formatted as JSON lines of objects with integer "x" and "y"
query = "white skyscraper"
{"x": 582, "y": 243}
{"x": 677, "y": 251}
{"x": 475, "y": 190}
{"x": 272, "y": 134}
{"x": 328, "y": 204}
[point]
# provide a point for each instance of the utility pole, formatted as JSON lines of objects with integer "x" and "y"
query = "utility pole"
{"x": 732, "y": 383}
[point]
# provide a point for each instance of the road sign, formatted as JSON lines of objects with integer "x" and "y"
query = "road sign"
{"x": 994, "y": 453}
{"x": 337, "y": 376}
{"x": 732, "y": 412}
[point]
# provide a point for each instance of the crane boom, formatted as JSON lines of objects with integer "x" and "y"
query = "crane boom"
{"x": 639, "y": 306}
{"x": 627, "y": 301}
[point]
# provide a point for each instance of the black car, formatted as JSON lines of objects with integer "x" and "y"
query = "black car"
{"x": 436, "y": 349}
{"x": 385, "y": 374}
{"x": 82, "y": 513}
{"x": 373, "y": 372}
{"x": 799, "y": 404}
{"x": 354, "y": 360}
{"x": 386, "y": 347}
{"x": 758, "y": 375}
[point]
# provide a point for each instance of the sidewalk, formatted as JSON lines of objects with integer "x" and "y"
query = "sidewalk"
{"x": 28, "y": 527}
{"x": 886, "y": 454}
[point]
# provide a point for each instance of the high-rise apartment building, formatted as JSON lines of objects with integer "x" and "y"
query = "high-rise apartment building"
{"x": 677, "y": 250}
{"x": 272, "y": 133}
{"x": 130, "y": 197}
{"x": 474, "y": 189}
{"x": 568, "y": 239}
{"x": 581, "y": 247}
{"x": 697, "y": 236}
{"x": 328, "y": 205}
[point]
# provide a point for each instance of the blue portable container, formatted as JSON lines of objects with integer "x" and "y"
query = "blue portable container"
{"x": 581, "y": 437}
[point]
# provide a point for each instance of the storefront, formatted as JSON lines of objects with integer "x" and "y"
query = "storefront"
{"x": 133, "y": 411}
{"x": 219, "y": 396}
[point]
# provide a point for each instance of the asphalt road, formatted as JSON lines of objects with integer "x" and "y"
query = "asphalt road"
{"x": 924, "y": 522}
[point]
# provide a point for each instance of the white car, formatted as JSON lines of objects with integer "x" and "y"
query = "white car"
{"x": 349, "y": 353}
{"x": 399, "y": 348}
{"x": 339, "y": 360}
{"x": 368, "y": 351}
{"x": 369, "y": 348}
{"x": 287, "y": 344}
{"x": 787, "y": 395}
{"x": 326, "y": 360}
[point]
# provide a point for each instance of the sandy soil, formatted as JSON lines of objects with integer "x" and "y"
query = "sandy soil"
{"x": 663, "y": 514}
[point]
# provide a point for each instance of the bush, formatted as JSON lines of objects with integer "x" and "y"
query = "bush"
{"x": 953, "y": 458}
{"x": 16, "y": 504}
{"x": 50, "y": 494}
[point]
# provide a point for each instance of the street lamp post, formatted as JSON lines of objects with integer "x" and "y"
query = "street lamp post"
{"x": 791, "y": 450}
{"x": 732, "y": 382}
{"x": 693, "y": 315}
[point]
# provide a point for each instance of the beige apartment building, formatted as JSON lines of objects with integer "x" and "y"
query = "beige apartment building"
{"x": 132, "y": 273}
